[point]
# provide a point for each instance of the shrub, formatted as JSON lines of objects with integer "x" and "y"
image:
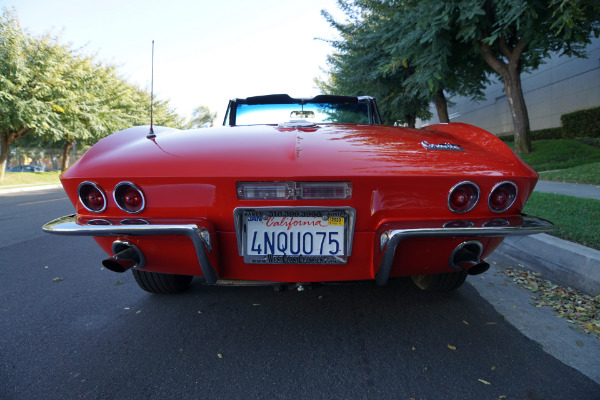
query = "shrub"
{"x": 582, "y": 123}
{"x": 541, "y": 134}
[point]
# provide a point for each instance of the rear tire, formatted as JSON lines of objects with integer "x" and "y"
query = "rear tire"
{"x": 154, "y": 282}
{"x": 440, "y": 282}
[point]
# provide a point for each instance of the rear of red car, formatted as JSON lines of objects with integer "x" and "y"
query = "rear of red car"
{"x": 299, "y": 202}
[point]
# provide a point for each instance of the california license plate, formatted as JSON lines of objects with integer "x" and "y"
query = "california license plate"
{"x": 295, "y": 235}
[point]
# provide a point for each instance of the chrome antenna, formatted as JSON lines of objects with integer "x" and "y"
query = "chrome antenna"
{"x": 151, "y": 134}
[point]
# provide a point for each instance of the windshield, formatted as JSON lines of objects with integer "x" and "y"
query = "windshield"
{"x": 254, "y": 114}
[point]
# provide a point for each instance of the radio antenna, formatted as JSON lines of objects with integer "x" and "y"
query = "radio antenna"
{"x": 151, "y": 134}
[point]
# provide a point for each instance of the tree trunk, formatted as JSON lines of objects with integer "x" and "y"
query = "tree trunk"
{"x": 441, "y": 105}
{"x": 3, "y": 154}
{"x": 518, "y": 111}
{"x": 67, "y": 147}
{"x": 6, "y": 138}
{"x": 411, "y": 120}
{"x": 510, "y": 70}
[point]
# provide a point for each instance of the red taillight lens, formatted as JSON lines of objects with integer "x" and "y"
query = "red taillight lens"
{"x": 92, "y": 197}
{"x": 502, "y": 197}
{"x": 129, "y": 198}
{"x": 463, "y": 197}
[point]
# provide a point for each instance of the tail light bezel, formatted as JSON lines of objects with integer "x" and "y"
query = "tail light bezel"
{"x": 473, "y": 197}
{"x": 512, "y": 196}
{"x": 118, "y": 196}
{"x": 83, "y": 196}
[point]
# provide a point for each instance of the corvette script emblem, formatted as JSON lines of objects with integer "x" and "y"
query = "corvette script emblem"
{"x": 441, "y": 146}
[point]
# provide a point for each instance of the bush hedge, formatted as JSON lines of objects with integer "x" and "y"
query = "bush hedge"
{"x": 577, "y": 124}
{"x": 548, "y": 133}
{"x": 581, "y": 123}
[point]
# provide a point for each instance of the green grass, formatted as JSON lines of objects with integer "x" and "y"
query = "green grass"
{"x": 555, "y": 154}
{"x": 575, "y": 219}
{"x": 587, "y": 173}
{"x": 14, "y": 179}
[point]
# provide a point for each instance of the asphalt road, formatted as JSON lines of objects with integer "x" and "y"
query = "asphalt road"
{"x": 71, "y": 330}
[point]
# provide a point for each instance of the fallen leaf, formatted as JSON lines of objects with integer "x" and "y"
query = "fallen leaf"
{"x": 579, "y": 343}
{"x": 484, "y": 382}
{"x": 465, "y": 322}
{"x": 138, "y": 311}
{"x": 493, "y": 368}
{"x": 451, "y": 347}
{"x": 220, "y": 355}
{"x": 57, "y": 279}
{"x": 256, "y": 304}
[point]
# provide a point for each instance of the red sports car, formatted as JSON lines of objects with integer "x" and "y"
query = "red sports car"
{"x": 299, "y": 190}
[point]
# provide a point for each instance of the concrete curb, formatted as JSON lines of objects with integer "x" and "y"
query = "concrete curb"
{"x": 30, "y": 188}
{"x": 558, "y": 260}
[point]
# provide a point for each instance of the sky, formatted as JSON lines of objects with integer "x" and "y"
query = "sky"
{"x": 206, "y": 51}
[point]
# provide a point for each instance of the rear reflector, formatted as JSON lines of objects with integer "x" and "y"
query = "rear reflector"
{"x": 265, "y": 190}
{"x": 323, "y": 190}
{"x": 294, "y": 190}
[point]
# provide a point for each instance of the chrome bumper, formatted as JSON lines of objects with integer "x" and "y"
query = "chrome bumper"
{"x": 391, "y": 234}
{"x": 199, "y": 236}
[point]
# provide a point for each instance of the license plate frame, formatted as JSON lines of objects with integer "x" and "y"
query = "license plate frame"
{"x": 292, "y": 220}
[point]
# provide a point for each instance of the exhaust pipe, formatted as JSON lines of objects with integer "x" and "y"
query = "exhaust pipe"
{"x": 125, "y": 256}
{"x": 467, "y": 257}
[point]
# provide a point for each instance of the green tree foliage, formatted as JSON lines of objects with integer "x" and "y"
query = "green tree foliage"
{"x": 49, "y": 90}
{"x": 202, "y": 117}
{"x": 356, "y": 68}
{"x": 451, "y": 44}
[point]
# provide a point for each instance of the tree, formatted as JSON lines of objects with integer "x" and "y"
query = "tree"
{"x": 24, "y": 98}
{"x": 451, "y": 43}
{"x": 50, "y": 90}
{"x": 202, "y": 117}
{"x": 511, "y": 36}
{"x": 355, "y": 68}
{"x": 440, "y": 64}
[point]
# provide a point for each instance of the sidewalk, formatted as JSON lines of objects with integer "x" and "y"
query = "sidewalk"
{"x": 27, "y": 188}
{"x": 559, "y": 260}
{"x": 569, "y": 189}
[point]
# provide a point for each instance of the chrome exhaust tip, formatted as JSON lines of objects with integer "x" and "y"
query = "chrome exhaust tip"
{"x": 467, "y": 257}
{"x": 125, "y": 256}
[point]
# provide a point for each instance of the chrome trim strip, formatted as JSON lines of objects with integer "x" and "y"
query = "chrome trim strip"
{"x": 529, "y": 226}
{"x": 68, "y": 225}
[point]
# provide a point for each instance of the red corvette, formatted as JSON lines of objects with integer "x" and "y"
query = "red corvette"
{"x": 295, "y": 191}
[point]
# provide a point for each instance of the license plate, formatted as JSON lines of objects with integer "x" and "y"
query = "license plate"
{"x": 295, "y": 235}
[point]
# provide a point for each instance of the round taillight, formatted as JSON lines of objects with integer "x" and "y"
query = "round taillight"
{"x": 502, "y": 197}
{"x": 463, "y": 197}
{"x": 92, "y": 197}
{"x": 129, "y": 198}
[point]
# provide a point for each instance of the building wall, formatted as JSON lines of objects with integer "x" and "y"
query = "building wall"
{"x": 559, "y": 86}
